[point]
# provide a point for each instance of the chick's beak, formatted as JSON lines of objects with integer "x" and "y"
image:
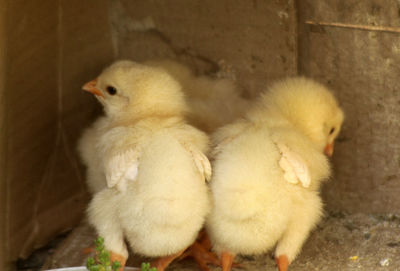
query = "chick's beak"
{"x": 329, "y": 149}
{"x": 91, "y": 87}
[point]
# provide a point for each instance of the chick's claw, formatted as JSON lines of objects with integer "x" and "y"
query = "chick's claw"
{"x": 227, "y": 261}
{"x": 201, "y": 255}
{"x": 162, "y": 263}
{"x": 201, "y": 252}
{"x": 283, "y": 262}
{"x": 114, "y": 257}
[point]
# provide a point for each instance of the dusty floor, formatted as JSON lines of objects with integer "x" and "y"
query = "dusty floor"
{"x": 341, "y": 242}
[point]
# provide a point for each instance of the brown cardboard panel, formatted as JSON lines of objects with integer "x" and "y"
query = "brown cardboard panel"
{"x": 52, "y": 47}
{"x": 253, "y": 41}
{"x": 31, "y": 116}
{"x": 3, "y": 259}
{"x": 87, "y": 48}
{"x": 363, "y": 68}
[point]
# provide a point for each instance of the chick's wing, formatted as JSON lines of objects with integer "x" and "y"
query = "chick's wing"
{"x": 200, "y": 160}
{"x": 294, "y": 167}
{"x": 122, "y": 168}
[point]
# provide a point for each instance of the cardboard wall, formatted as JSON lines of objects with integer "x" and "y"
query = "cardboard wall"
{"x": 253, "y": 42}
{"x": 3, "y": 145}
{"x": 53, "y": 47}
{"x": 363, "y": 67}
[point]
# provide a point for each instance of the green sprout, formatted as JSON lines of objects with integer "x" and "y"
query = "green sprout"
{"x": 146, "y": 267}
{"x": 103, "y": 261}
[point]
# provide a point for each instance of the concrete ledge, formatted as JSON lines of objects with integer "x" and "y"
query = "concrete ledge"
{"x": 340, "y": 242}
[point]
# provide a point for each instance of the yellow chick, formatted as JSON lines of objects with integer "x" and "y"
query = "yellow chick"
{"x": 154, "y": 165}
{"x": 95, "y": 176}
{"x": 268, "y": 169}
{"x": 212, "y": 102}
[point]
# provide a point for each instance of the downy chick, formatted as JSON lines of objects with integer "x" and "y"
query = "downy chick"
{"x": 154, "y": 165}
{"x": 212, "y": 102}
{"x": 95, "y": 175}
{"x": 268, "y": 169}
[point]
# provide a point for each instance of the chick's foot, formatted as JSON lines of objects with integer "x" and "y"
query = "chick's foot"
{"x": 283, "y": 262}
{"x": 163, "y": 262}
{"x": 202, "y": 255}
{"x": 200, "y": 250}
{"x": 114, "y": 257}
{"x": 88, "y": 250}
{"x": 227, "y": 261}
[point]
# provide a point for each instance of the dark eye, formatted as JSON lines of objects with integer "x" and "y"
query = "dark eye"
{"x": 331, "y": 131}
{"x": 111, "y": 90}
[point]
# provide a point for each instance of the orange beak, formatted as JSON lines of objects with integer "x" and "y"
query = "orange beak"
{"x": 329, "y": 149}
{"x": 91, "y": 87}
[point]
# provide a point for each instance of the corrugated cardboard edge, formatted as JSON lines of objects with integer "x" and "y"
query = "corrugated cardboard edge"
{"x": 3, "y": 137}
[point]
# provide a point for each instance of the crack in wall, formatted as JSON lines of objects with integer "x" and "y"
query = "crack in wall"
{"x": 122, "y": 24}
{"x": 186, "y": 52}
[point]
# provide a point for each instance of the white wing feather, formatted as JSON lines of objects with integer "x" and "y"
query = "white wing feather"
{"x": 201, "y": 161}
{"x": 122, "y": 168}
{"x": 202, "y": 164}
{"x": 294, "y": 166}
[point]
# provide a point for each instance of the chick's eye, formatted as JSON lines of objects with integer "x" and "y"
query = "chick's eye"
{"x": 111, "y": 90}
{"x": 331, "y": 131}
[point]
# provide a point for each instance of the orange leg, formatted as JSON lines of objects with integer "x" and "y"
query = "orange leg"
{"x": 283, "y": 262}
{"x": 88, "y": 250}
{"x": 200, "y": 251}
{"x": 163, "y": 262}
{"x": 201, "y": 255}
{"x": 204, "y": 240}
{"x": 116, "y": 257}
{"x": 227, "y": 261}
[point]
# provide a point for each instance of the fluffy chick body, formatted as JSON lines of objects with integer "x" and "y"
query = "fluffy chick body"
{"x": 161, "y": 209}
{"x": 95, "y": 175}
{"x": 255, "y": 208}
{"x": 164, "y": 208}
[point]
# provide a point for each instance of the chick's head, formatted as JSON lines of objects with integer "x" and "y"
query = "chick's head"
{"x": 310, "y": 107}
{"x": 129, "y": 89}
